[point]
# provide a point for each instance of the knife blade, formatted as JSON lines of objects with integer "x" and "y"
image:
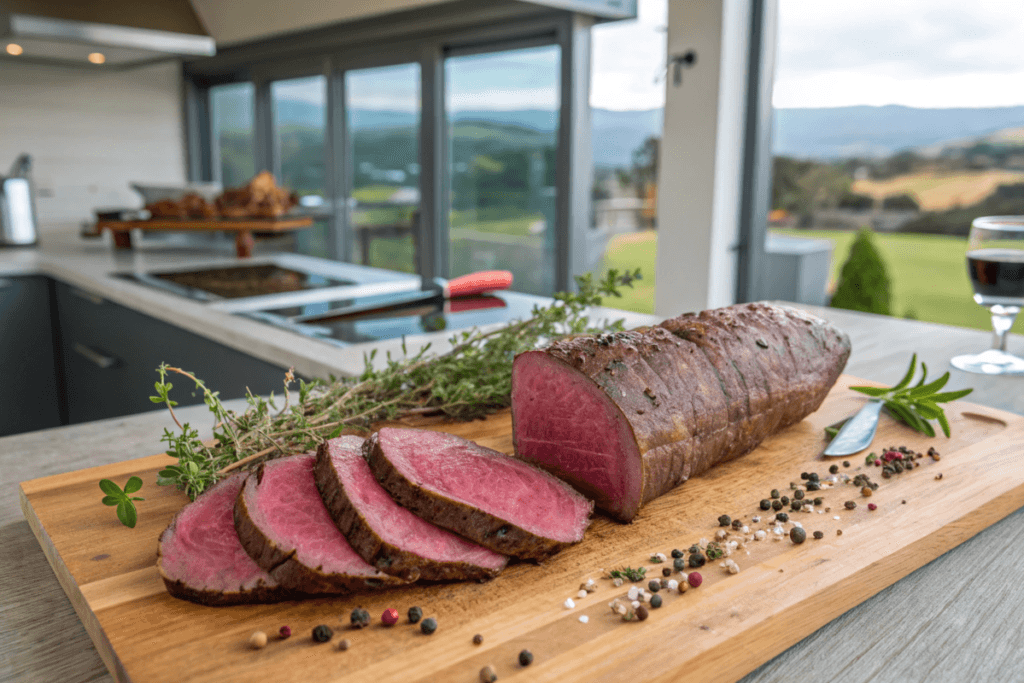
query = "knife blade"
{"x": 857, "y": 433}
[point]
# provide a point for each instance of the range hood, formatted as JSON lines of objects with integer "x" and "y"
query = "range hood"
{"x": 101, "y": 33}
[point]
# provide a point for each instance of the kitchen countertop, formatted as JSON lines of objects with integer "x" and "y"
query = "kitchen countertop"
{"x": 960, "y": 613}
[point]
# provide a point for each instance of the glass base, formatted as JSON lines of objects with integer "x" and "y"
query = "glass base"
{"x": 991, "y": 362}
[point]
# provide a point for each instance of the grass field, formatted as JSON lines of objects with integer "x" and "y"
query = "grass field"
{"x": 928, "y": 274}
{"x": 941, "y": 191}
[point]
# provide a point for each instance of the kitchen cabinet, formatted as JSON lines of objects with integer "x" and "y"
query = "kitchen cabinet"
{"x": 30, "y": 397}
{"x": 110, "y": 354}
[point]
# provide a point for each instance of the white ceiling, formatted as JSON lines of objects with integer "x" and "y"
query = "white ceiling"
{"x": 230, "y": 21}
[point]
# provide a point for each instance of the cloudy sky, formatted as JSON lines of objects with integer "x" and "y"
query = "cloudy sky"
{"x": 923, "y": 53}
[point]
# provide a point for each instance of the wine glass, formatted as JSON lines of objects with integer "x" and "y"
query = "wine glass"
{"x": 995, "y": 263}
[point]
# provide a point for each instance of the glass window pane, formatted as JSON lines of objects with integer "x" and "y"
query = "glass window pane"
{"x": 232, "y": 110}
{"x": 383, "y": 117}
{"x": 503, "y": 122}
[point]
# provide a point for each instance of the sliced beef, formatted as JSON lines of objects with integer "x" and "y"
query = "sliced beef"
{"x": 626, "y": 417}
{"x": 200, "y": 558}
{"x": 284, "y": 526}
{"x": 496, "y": 500}
{"x": 387, "y": 535}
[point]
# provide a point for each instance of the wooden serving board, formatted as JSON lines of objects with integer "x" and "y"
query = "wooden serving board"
{"x": 720, "y": 631}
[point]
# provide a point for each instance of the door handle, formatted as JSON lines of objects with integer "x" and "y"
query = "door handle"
{"x": 95, "y": 357}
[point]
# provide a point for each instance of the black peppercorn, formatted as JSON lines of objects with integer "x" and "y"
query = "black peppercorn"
{"x": 654, "y": 585}
{"x": 737, "y": 524}
{"x": 813, "y": 476}
{"x": 849, "y": 505}
{"x": 697, "y": 560}
{"x": 429, "y": 625}
{"x": 724, "y": 520}
{"x": 819, "y": 535}
{"x": 785, "y": 500}
{"x": 415, "y": 614}
{"x": 694, "y": 549}
{"x": 898, "y": 467}
{"x": 796, "y": 505}
{"x": 819, "y": 501}
{"x": 805, "y": 476}
{"x": 782, "y": 517}
{"x": 834, "y": 469}
{"x": 774, "y": 494}
{"x": 766, "y": 504}
{"x": 776, "y": 505}
{"x": 641, "y": 613}
{"x": 477, "y": 639}
{"x": 360, "y": 618}
{"x": 526, "y": 658}
{"x": 846, "y": 463}
{"x": 677, "y": 553}
{"x": 797, "y": 535}
{"x": 798, "y": 494}
{"x": 322, "y": 633}
{"x": 679, "y": 564}
{"x": 813, "y": 486}
{"x": 665, "y": 571}
{"x": 655, "y": 601}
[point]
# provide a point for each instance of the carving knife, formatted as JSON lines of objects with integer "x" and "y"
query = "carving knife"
{"x": 858, "y": 432}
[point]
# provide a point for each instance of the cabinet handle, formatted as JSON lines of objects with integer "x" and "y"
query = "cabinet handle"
{"x": 95, "y": 357}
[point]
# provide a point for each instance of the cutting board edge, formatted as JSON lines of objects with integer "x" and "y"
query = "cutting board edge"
{"x": 74, "y": 594}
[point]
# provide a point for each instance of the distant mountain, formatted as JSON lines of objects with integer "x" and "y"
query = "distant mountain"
{"x": 840, "y": 132}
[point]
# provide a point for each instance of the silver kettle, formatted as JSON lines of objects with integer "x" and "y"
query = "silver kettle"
{"x": 17, "y": 206}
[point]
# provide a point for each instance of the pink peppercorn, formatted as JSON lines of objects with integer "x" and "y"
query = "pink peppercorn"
{"x": 694, "y": 579}
{"x": 872, "y": 506}
{"x": 285, "y": 632}
{"x": 390, "y": 616}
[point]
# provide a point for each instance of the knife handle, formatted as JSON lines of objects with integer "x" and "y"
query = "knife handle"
{"x": 478, "y": 283}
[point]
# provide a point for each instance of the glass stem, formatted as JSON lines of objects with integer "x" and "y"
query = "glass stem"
{"x": 1002, "y": 321}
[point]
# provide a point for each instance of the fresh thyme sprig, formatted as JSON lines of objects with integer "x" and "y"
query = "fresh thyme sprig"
{"x": 628, "y": 573}
{"x": 916, "y": 405}
{"x": 122, "y": 499}
{"x": 471, "y": 380}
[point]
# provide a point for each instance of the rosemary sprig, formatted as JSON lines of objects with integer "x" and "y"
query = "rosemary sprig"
{"x": 916, "y": 405}
{"x": 471, "y": 380}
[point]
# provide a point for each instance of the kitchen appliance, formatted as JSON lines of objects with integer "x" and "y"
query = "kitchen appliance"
{"x": 17, "y": 206}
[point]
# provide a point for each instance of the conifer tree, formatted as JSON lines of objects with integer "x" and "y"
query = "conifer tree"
{"x": 864, "y": 283}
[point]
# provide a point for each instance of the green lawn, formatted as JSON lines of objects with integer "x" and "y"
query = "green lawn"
{"x": 928, "y": 273}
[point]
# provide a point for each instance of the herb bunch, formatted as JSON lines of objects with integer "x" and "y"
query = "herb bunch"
{"x": 916, "y": 405}
{"x": 471, "y": 380}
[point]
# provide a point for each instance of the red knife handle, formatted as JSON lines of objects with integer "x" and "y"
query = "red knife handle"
{"x": 478, "y": 283}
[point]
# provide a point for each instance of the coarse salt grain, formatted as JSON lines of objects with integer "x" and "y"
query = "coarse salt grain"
{"x": 720, "y": 534}
{"x": 755, "y": 519}
{"x": 760, "y": 535}
{"x": 582, "y": 594}
{"x": 673, "y": 585}
{"x": 635, "y": 603}
{"x": 745, "y": 529}
{"x": 661, "y": 557}
{"x": 616, "y": 582}
{"x": 798, "y": 524}
{"x": 778, "y": 531}
{"x": 584, "y": 618}
{"x": 836, "y": 518}
{"x": 568, "y": 604}
{"x": 633, "y": 593}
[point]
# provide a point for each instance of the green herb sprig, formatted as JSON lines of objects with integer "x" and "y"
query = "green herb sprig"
{"x": 916, "y": 405}
{"x": 471, "y": 380}
{"x": 629, "y": 573}
{"x": 126, "y": 511}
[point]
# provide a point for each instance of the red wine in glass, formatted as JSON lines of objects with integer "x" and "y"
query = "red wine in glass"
{"x": 997, "y": 276}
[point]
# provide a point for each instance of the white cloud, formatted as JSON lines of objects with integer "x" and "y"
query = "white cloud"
{"x": 626, "y": 59}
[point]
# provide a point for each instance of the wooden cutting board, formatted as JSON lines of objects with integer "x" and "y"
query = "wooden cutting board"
{"x": 720, "y": 631}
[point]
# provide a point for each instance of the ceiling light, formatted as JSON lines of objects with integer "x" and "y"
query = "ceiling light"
{"x": 14, "y": 49}
{"x": 97, "y": 57}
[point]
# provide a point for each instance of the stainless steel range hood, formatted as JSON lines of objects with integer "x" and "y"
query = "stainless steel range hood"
{"x": 107, "y": 34}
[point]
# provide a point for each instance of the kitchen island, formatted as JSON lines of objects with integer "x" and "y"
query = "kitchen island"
{"x": 954, "y": 615}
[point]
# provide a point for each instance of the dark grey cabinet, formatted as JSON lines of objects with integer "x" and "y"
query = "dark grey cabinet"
{"x": 110, "y": 354}
{"x": 30, "y": 396}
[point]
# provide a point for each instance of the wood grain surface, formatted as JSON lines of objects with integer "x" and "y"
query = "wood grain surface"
{"x": 721, "y": 631}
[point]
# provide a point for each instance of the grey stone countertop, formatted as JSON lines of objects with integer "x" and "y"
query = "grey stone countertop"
{"x": 957, "y": 617}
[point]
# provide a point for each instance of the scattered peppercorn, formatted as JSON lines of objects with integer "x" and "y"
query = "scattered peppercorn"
{"x": 677, "y": 553}
{"x": 415, "y": 614}
{"x": 487, "y": 674}
{"x": 429, "y": 625}
{"x": 360, "y": 618}
{"x": 796, "y": 505}
{"x": 797, "y": 535}
{"x": 694, "y": 579}
{"x": 526, "y": 658}
{"x": 798, "y": 494}
{"x": 322, "y": 633}
{"x": 285, "y": 632}
{"x": 737, "y": 524}
{"x": 389, "y": 617}
{"x": 258, "y": 640}
{"x": 654, "y": 585}
{"x": 839, "y": 532}
{"x": 666, "y": 571}
{"x": 849, "y": 505}
{"x": 934, "y": 454}
{"x": 697, "y": 560}
{"x": 834, "y": 469}
{"x": 866, "y": 491}
{"x": 805, "y": 476}
{"x": 344, "y": 644}
{"x": 887, "y": 473}
{"x": 819, "y": 501}
{"x": 641, "y": 613}
{"x": 679, "y": 564}
{"x": 694, "y": 549}
{"x": 724, "y": 520}
{"x": 846, "y": 463}
{"x": 774, "y": 494}
{"x": 872, "y": 506}
{"x": 938, "y": 476}
{"x": 766, "y": 504}
{"x": 898, "y": 467}
{"x": 818, "y": 535}
{"x": 813, "y": 486}
{"x": 477, "y": 639}
{"x": 785, "y": 500}
{"x": 655, "y": 601}
{"x": 776, "y": 505}
{"x": 782, "y": 517}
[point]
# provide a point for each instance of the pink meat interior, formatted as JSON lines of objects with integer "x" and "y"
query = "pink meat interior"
{"x": 204, "y": 550}
{"x": 288, "y": 507}
{"x": 565, "y": 423}
{"x": 493, "y": 482}
{"x": 398, "y": 526}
